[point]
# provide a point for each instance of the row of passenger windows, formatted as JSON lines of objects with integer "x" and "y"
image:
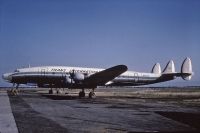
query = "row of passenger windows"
{"x": 84, "y": 71}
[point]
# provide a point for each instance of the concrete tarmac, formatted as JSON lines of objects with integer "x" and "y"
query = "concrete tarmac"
{"x": 113, "y": 110}
{"x": 7, "y": 121}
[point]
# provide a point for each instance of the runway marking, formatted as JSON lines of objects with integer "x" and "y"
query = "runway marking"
{"x": 7, "y": 121}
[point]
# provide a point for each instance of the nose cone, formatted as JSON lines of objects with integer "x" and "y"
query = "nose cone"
{"x": 7, "y": 77}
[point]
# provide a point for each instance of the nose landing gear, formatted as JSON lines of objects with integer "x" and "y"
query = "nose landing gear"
{"x": 14, "y": 91}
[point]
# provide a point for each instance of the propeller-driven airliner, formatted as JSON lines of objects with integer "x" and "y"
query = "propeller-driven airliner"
{"x": 90, "y": 78}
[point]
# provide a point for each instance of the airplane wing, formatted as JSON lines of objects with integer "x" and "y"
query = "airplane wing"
{"x": 102, "y": 77}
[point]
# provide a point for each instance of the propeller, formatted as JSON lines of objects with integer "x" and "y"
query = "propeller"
{"x": 72, "y": 76}
{"x": 76, "y": 77}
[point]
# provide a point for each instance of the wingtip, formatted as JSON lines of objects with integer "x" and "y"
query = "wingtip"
{"x": 121, "y": 67}
{"x": 125, "y": 67}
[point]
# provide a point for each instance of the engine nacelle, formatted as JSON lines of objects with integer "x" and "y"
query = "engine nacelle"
{"x": 68, "y": 80}
{"x": 74, "y": 78}
{"x": 78, "y": 77}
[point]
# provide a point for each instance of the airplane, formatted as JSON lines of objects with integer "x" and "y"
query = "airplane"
{"x": 82, "y": 78}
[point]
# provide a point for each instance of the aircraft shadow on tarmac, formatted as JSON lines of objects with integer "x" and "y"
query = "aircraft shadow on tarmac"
{"x": 192, "y": 119}
{"x": 60, "y": 97}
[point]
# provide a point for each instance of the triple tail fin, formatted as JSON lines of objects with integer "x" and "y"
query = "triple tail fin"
{"x": 170, "y": 68}
{"x": 156, "y": 69}
{"x": 186, "y": 69}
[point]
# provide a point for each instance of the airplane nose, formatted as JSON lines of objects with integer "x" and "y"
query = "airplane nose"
{"x": 7, "y": 77}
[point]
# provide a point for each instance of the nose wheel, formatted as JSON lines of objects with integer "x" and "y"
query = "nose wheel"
{"x": 14, "y": 91}
{"x": 92, "y": 95}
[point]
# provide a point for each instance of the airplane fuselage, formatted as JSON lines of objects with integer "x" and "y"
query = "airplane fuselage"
{"x": 79, "y": 77}
{"x": 47, "y": 76}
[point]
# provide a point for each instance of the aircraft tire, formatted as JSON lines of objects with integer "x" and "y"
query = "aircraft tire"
{"x": 51, "y": 91}
{"x": 92, "y": 95}
{"x": 81, "y": 94}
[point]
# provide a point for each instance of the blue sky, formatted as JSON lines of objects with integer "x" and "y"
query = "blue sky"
{"x": 99, "y": 33}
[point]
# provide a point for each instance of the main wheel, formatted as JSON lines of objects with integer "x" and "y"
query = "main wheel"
{"x": 92, "y": 94}
{"x": 82, "y": 94}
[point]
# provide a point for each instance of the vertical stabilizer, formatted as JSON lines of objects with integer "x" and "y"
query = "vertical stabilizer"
{"x": 156, "y": 69}
{"x": 186, "y": 69}
{"x": 170, "y": 68}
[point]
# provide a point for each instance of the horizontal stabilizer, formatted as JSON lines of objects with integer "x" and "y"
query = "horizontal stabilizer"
{"x": 186, "y": 70}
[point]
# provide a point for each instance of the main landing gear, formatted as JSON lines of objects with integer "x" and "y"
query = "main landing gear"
{"x": 91, "y": 94}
